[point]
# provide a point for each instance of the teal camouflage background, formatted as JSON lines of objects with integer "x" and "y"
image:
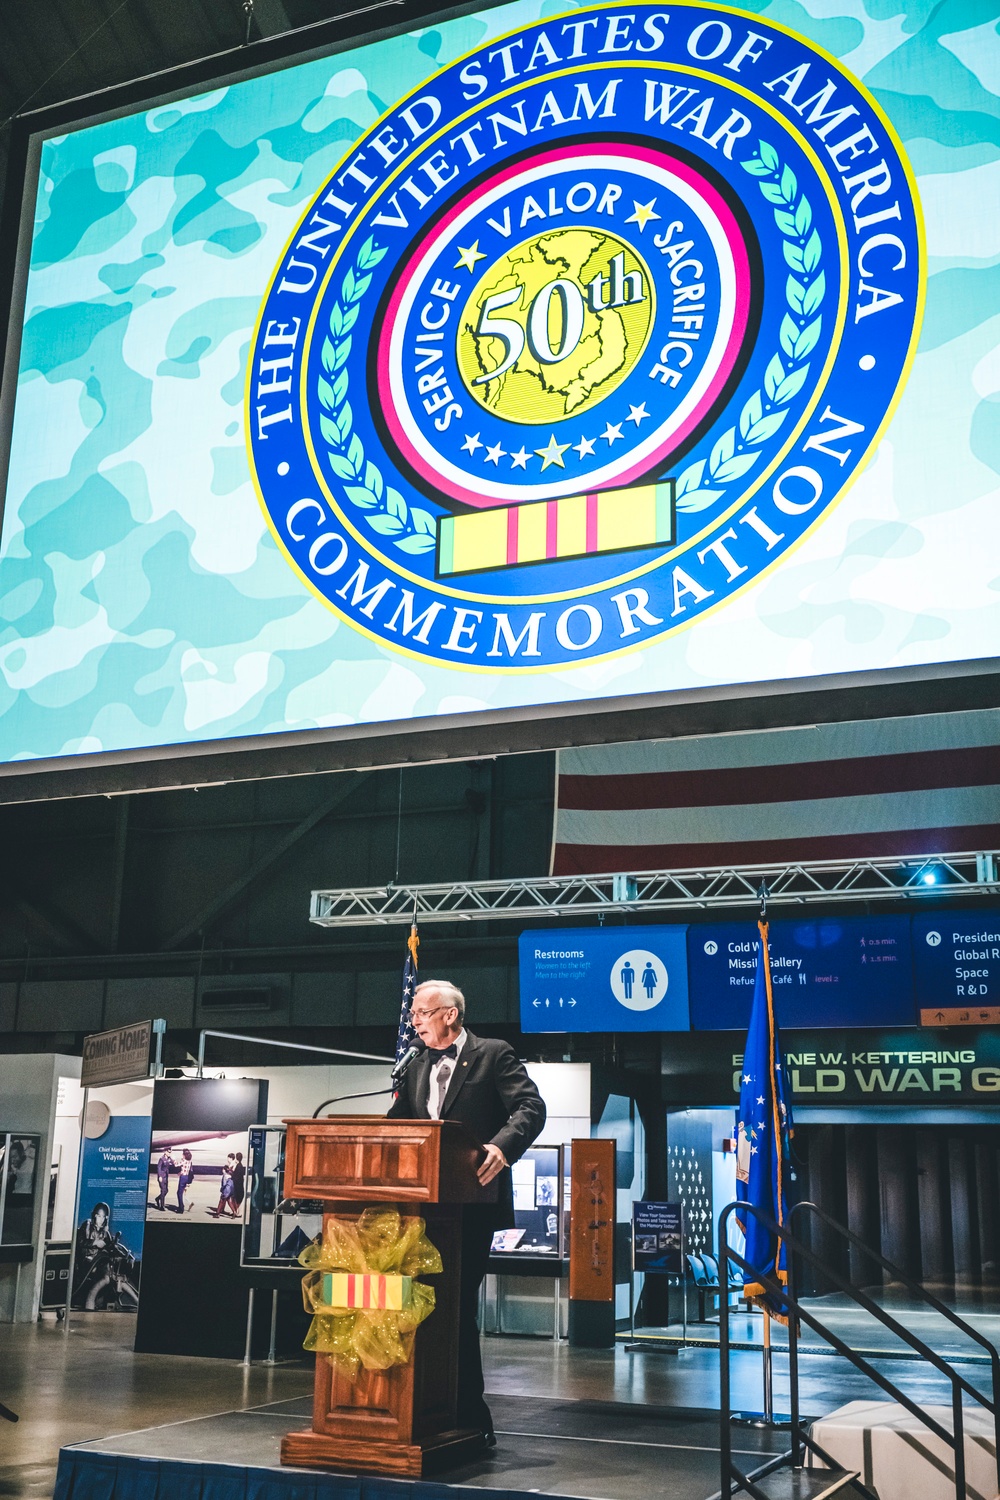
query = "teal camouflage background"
{"x": 142, "y": 599}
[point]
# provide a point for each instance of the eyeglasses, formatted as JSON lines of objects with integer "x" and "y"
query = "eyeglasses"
{"x": 422, "y": 1015}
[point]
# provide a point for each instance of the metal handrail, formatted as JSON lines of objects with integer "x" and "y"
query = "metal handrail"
{"x": 787, "y": 1299}
{"x": 918, "y": 1289}
{"x": 861, "y": 1297}
{"x": 898, "y": 1274}
{"x": 783, "y": 1295}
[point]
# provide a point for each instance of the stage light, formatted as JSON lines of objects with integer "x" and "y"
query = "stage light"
{"x": 929, "y": 877}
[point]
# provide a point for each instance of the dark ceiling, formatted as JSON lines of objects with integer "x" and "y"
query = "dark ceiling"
{"x": 54, "y": 50}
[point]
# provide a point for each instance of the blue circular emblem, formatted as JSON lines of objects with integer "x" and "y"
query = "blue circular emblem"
{"x": 584, "y": 335}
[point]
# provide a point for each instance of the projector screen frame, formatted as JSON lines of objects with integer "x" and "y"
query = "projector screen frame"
{"x": 891, "y": 692}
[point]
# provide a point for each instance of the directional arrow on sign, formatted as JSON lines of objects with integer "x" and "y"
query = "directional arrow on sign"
{"x": 536, "y": 1003}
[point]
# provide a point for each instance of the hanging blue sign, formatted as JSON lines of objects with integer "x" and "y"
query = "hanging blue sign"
{"x": 956, "y": 965}
{"x": 604, "y": 979}
{"x": 829, "y": 971}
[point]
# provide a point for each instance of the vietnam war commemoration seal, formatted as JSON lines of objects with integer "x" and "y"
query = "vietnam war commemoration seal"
{"x": 583, "y": 335}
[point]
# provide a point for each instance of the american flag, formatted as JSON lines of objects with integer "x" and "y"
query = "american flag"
{"x": 404, "y": 1040}
{"x": 926, "y": 784}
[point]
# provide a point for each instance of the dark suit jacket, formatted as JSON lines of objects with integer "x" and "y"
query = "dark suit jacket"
{"x": 491, "y": 1094}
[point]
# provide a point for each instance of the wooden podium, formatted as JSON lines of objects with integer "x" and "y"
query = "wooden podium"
{"x": 400, "y": 1421}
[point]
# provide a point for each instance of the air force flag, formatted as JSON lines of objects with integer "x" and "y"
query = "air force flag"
{"x": 763, "y": 1131}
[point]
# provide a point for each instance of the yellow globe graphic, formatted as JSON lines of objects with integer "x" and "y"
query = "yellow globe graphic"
{"x": 555, "y": 325}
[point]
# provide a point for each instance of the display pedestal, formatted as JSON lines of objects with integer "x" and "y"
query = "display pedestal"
{"x": 401, "y": 1421}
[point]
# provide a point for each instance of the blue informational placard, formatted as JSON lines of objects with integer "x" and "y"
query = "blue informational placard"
{"x": 956, "y": 963}
{"x": 604, "y": 979}
{"x": 831, "y": 971}
{"x": 657, "y": 1238}
{"x": 111, "y": 1226}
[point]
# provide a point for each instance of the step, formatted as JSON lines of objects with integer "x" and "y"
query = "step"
{"x": 900, "y": 1458}
{"x": 810, "y": 1484}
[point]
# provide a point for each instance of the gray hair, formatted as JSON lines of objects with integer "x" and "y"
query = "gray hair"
{"x": 450, "y": 994}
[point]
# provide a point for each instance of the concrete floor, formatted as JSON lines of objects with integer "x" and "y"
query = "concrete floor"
{"x": 88, "y": 1384}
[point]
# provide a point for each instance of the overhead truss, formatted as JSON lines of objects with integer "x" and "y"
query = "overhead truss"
{"x": 918, "y": 877}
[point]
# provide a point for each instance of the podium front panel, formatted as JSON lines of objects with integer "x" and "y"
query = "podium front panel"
{"x": 368, "y": 1159}
{"x": 363, "y": 1160}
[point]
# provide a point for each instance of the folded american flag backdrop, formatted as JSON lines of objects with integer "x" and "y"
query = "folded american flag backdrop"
{"x": 928, "y": 784}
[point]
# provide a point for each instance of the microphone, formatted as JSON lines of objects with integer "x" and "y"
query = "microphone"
{"x": 409, "y": 1056}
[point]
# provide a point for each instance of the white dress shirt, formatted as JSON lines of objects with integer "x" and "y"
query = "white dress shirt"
{"x": 441, "y": 1073}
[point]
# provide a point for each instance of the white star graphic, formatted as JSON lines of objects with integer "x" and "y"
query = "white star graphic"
{"x": 519, "y": 460}
{"x": 467, "y": 257}
{"x": 471, "y": 443}
{"x": 612, "y": 434}
{"x": 637, "y": 414}
{"x": 760, "y": 1099}
{"x": 753, "y": 1150}
{"x": 495, "y": 454}
{"x": 552, "y": 453}
{"x": 642, "y": 214}
{"x": 747, "y": 1078}
{"x": 584, "y": 446}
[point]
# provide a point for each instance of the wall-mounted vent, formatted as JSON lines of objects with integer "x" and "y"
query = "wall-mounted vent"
{"x": 255, "y": 997}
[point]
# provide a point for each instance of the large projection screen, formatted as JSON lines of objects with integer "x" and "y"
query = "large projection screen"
{"x": 516, "y": 367}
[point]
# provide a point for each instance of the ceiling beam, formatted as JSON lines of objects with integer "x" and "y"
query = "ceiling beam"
{"x": 225, "y": 899}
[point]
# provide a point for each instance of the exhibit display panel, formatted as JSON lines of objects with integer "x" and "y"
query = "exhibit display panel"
{"x": 192, "y": 1297}
{"x": 18, "y": 1186}
{"x": 276, "y": 1229}
{"x": 109, "y": 1233}
{"x": 541, "y": 1209}
{"x": 513, "y": 361}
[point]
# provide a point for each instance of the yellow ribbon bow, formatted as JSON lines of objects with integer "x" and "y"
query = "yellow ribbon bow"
{"x": 383, "y": 1243}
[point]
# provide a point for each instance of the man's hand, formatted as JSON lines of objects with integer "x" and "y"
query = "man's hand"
{"x": 492, "y": 1166}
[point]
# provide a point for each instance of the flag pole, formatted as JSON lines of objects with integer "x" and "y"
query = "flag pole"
{"x": 763, "y": 1122}
{"x": 768, "y": 1366}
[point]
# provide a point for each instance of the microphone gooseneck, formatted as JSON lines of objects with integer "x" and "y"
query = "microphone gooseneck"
{"x": 408, "y": 1057}
{"x": 395, "y": 1078}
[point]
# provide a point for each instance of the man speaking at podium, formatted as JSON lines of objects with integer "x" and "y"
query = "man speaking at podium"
{"x": 479, "y": 1082}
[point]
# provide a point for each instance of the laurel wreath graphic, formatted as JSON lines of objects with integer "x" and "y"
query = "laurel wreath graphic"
{"x": 407, "y": 527}
{"x": 412, "y": 529}
{"x": 738, "y": 449}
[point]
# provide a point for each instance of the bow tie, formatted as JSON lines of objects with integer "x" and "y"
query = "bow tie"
{"x": 435, "y": 1054}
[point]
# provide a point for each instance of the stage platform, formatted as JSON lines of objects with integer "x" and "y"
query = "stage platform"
{"x": 581, "y": 1450}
